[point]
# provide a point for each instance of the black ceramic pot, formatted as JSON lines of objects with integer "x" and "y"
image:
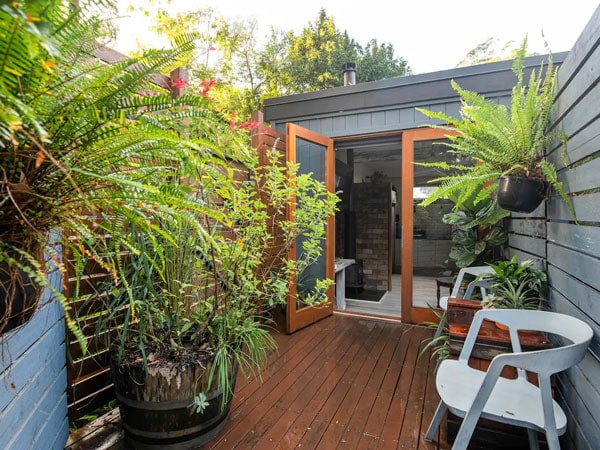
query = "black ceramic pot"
{"x": 521, "y": 194}
{"x": 18, "y": 297}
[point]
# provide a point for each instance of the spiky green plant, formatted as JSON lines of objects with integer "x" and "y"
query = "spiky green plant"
{"x": 213, "y": 291}
{"x": 497, "y": 140}
{"x": 438, "y": 345}
{"x": 516, "y": 284}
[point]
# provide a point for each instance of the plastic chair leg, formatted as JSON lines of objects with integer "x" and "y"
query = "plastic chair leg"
{"x": 465, "y": 432}
{"x": 436, "y": 421}
{"x": 552, "y": 439}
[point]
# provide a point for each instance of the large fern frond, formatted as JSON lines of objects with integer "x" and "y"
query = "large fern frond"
{"x": 496, "y": 139}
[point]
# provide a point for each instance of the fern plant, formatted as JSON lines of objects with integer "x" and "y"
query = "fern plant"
{"x": 495, "y": 140}
{"x": 79, "y": 139}
{"x": 143, "y": 186}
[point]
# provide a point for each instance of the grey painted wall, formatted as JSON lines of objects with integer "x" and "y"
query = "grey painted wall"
{"x": 572, "y": 251}
{"x": 389, "y": 105}
{"x": 33, "y": 401}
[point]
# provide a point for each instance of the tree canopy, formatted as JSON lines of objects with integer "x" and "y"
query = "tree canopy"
{"x": 315, "y": 57}
{"x": 490, "y": 50}
{"x": 247, "y": 71}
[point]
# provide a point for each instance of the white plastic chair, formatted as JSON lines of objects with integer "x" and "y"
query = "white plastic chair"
{"x": 471, "y": 393}
{"x": 475, "y": 271}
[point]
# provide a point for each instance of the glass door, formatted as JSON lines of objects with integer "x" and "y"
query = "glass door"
{"x": 432, "y": 238}
{"x": 426, "y": 240}
{"x": 315, "y": 155}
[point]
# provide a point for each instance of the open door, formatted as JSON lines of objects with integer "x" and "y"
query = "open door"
{"x": 314, "y": 153}
{"x": 420, "y": 139}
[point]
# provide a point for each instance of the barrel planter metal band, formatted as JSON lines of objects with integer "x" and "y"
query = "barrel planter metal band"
{"x": 166, "y": 425}
{"x": 156, "y": 406}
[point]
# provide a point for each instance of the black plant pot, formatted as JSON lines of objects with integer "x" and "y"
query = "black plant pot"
{"x": 18, "y": 297}
{"x": 521, "y": 194}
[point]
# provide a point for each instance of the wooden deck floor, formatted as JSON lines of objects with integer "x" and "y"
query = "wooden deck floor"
{"x": 344, "y": 382}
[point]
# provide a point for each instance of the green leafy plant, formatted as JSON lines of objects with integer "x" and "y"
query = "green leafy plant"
{"x": 494, "y": 140}
{"x": 516, "y": 285}
{"x": 148, "y": 188}
{"x": 438, "y": 345}
{"x": 478, "y": 231}
{"x": 207, "y": 281}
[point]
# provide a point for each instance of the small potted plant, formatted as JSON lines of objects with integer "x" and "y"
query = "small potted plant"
{"x": 516, "y": 285}
{"x": 505, "y": 145}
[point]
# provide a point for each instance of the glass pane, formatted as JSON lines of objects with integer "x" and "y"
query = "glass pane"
{"x": 311, "y": 159}
{"x": 432, "y": 266}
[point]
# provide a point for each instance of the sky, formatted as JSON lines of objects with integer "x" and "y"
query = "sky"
{"x": 431, "y": 34}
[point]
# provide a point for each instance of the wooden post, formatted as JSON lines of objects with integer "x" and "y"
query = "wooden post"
{"x": 178, "y": 82}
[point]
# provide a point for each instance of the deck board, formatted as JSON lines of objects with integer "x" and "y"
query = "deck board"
{"x": 344, "y": 382}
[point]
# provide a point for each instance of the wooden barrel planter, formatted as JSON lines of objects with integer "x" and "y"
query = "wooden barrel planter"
{"x": 155, "y": 405}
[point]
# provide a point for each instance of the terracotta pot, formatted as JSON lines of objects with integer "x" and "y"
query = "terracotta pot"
{"x": 521, "y": 194}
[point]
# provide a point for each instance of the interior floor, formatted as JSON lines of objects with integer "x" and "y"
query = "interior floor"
{"x": 424, "y": 295}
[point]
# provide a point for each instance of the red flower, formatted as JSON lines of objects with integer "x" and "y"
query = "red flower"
{"x": 206, "y": 86}
{"x": 248, "y": 125}
{"x": 178, "y": 83}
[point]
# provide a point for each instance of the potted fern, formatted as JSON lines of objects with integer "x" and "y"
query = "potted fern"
{"x": 503, "y": 146}
{"x": 66, "y": 133}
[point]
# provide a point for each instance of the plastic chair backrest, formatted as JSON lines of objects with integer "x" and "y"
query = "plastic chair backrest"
{"x": 475, "y": 271}
{"x": 547, "y": 361}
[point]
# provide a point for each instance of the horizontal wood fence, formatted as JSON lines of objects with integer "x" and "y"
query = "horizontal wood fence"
{"x": 570, "y": 250}
{"x": 89, "y": 384}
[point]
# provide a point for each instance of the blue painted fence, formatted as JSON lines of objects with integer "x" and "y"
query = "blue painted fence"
{"x": 33, "y": 402}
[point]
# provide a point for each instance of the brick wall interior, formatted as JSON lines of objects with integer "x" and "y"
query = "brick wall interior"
{"x": 429, "y": 219}
{"x": 371, "y": 205}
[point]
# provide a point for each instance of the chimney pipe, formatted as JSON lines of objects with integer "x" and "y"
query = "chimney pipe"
{"x": 349, "y": 72}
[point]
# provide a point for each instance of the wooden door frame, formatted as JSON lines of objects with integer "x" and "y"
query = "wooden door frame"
{"x": 409, "y": 313}
{"x": 297, "y": 319}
